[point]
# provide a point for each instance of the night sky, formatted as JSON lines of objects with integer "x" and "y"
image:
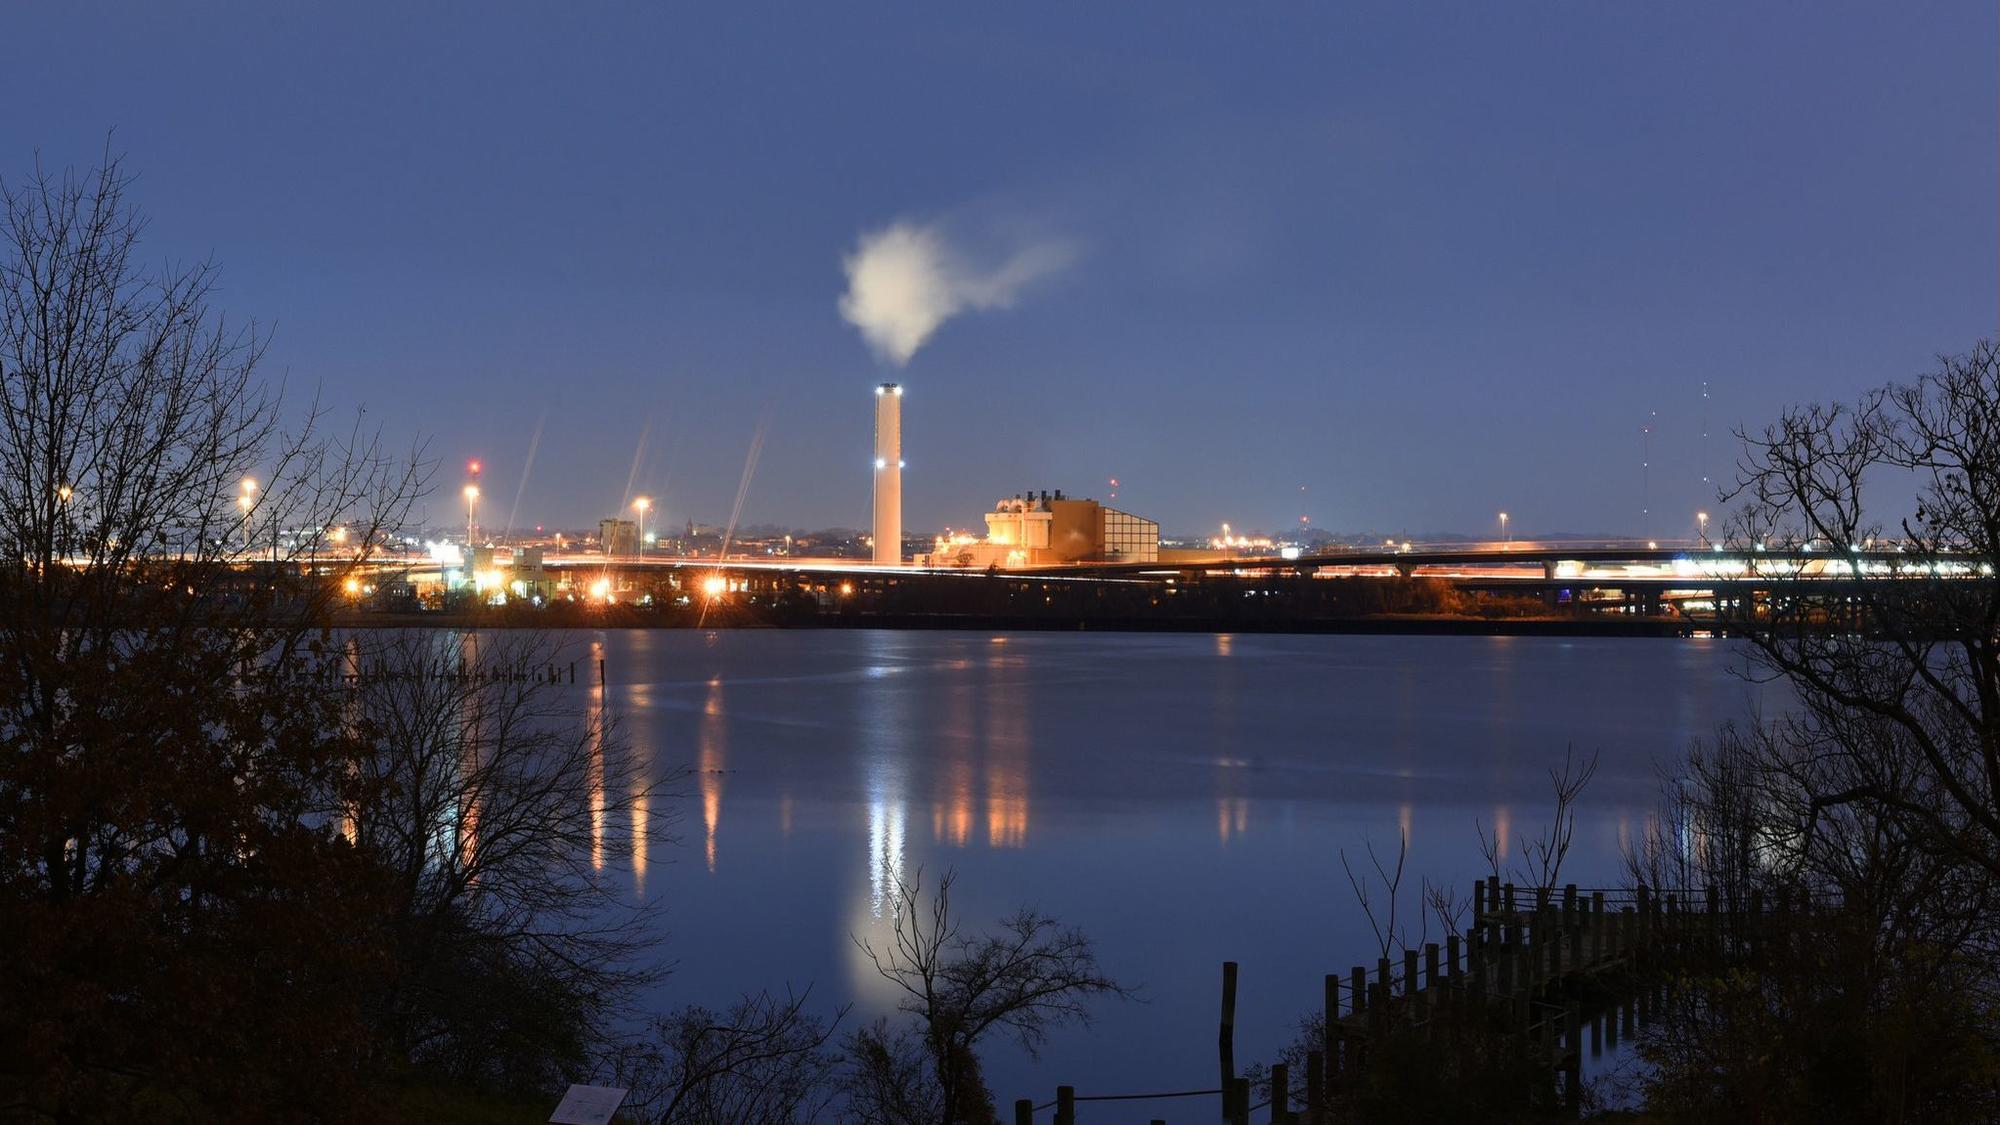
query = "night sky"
{"x": 1426, "y": 264}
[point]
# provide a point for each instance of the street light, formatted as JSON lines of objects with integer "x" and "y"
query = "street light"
{"x": 246, "y": 497}
{"x": 471, "y": 512}
{"x": 1701, "y": 528}
{"x": 1503, "y": 528}
{"x": 641, "y": 504}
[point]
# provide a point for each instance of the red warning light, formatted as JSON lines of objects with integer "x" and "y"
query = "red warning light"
{"x": 472, "y": 466}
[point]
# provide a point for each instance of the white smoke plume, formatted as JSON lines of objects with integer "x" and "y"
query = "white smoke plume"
{"x": 906, "y": 279}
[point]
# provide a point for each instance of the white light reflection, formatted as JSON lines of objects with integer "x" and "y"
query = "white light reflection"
{"x": 595, "y": 718}
{"x": 714, "y": 741}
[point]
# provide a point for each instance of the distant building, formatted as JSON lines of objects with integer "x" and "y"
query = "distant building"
{"x": 619, "y": 537}
{"x": 1043, "y": 530}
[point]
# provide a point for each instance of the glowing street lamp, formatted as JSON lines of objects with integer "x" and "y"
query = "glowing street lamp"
{"x": 640, "y": 505}
{"x": 471, "y": 512}
{"x": 1503, "y": 528}
{"x": 246, "y": 498}
{"x": 1701, "y": 527}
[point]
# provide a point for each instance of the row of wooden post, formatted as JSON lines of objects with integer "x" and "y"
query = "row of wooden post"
{"x": 1508, "y": 955}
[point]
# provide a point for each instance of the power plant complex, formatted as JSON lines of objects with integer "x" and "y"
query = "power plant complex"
{"x": 1030, "y": 529}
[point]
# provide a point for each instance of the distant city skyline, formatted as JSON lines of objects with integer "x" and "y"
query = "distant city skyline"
{"x": 1383, "y": 269}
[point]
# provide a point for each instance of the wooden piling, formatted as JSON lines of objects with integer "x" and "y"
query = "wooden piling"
{"x": 1065, "y": 1105}
{"x": 1330, "y": 1042}
{"x": 1281, "y": 1092}
{"x": 1226, "y": 1037}
{"x": 1315, "y": 1088}
{"x": 1024, "y": 1111}
{"x": 1597, "y": 934}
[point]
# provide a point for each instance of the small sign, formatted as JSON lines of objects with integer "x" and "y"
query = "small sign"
{"x": 588, "y": 1105}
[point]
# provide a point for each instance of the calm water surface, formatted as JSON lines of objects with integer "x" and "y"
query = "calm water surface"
{"x": 1184, "y": 799}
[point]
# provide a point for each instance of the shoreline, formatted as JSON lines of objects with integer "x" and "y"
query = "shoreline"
{"x": 1440, "y": 626}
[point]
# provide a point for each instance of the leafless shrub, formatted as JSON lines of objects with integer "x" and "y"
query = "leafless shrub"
{"x": 1382, "y": 907}
{"x": 766, "y": 1059}
{"x": 1029, "y": 976}
{"x": 1542, "y": 855}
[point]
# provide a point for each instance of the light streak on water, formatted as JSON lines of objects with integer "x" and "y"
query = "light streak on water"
{"x": 714, "y": 743}
{"x": 596, "y": 780}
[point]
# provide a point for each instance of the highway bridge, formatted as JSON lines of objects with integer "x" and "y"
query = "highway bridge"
{"x": 1648, "y": 579}
{"x": 1552, "y": 560}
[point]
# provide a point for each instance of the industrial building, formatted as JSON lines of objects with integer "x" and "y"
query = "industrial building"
{"x": 619, "y": 537}
{"x": 1043, "y": 529}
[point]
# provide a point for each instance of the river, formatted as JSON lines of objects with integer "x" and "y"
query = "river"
{"x": 1184, "y": 799}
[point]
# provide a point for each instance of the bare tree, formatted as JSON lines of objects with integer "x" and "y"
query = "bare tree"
{"x": 1910, "y": 647}
{"x": 1031, "y": 975}
{"x": 498, "y": 796}
{"x": 159, "y": 765}
{"x": 1873, "y": 799}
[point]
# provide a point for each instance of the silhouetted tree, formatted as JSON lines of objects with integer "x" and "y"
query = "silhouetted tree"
{"x": 235, "y": 885}
{"x": 1873, "y": 804}
{"x": 495, "y": 796}
{"x": 1030, "y": 975}
{"x": 157, "y": 864}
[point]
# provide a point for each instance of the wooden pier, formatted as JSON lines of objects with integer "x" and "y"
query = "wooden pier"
{"x": 1550, "y": 964}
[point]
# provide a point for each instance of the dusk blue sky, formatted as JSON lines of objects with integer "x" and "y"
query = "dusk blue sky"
{"x": 1428, "y": 262}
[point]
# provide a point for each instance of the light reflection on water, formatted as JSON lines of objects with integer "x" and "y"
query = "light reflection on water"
{"x": 714, "y": 741}
{"x": 1183, "y": 799}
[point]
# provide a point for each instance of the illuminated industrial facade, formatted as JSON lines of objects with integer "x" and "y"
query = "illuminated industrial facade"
{"x": 889, "y": 475}
{"x": 1043, "y": 529}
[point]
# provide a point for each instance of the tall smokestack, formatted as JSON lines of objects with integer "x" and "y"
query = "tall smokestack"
{"x": 889, "y": 475}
